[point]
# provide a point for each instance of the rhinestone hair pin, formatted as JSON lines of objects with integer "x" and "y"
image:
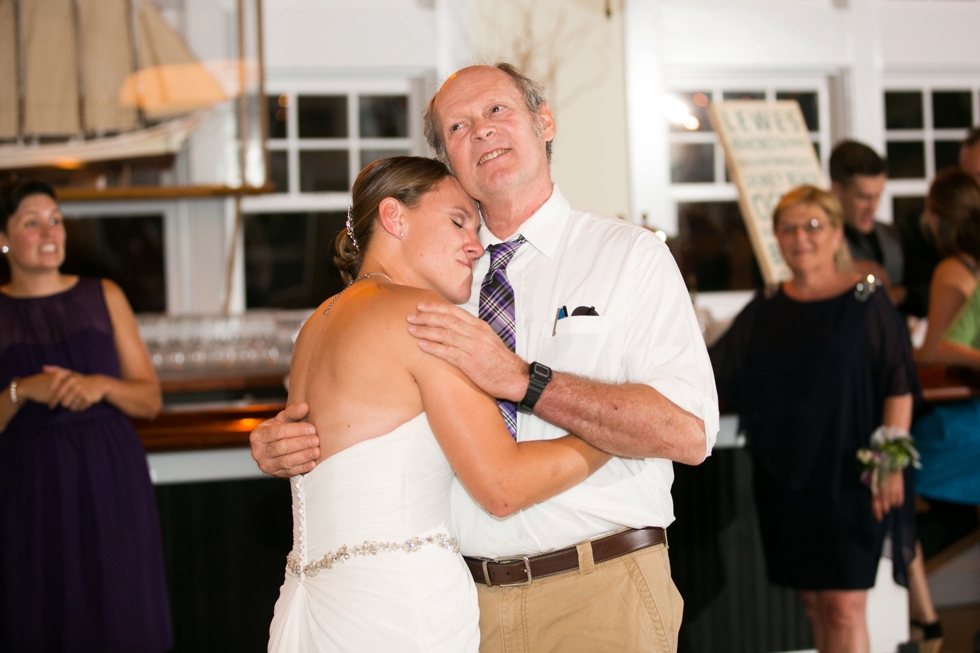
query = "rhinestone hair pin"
{"x": 350, "y": 227}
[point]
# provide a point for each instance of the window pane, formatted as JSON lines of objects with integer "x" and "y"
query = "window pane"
{"x": 903, "y": 110}
{"x": 906, "y": 160}
{"x": 744, "y": 95}
{"x": 947, "y": 154}
{"x": 279, "y": 170}
{"x": 322, "y": 116}
{"x": 808, "y": 105}
{"x": 276, "y": 107}
{"x": 289, "y": 259}
{"x": 370, "y": 156}
{"x": 384, "y": 116}
{"x": 696, "y": 104}
{"x": 952, "y": 109}
{"x": 692, "y": 163}
{"x": 323, "y": 171}
{"x": 713, "y": 249}
{"x": 128, "y": 250}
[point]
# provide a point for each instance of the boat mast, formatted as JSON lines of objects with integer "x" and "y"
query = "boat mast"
{"x": 21, "y": 84}
{"x": 140, "y": 115}
{"x": 80, "y": 68}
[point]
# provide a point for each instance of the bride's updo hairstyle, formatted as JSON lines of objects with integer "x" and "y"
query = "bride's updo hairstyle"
{"x": 405, "y": 178}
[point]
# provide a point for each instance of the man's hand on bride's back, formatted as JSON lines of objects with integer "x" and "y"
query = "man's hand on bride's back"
{"x": 285, "y": 445}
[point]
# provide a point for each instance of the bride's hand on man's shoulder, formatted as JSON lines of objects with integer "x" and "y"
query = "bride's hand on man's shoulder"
{"x": 284, "y": 445}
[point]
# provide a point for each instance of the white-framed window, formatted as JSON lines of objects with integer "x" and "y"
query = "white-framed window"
{"x": 711, "y": 245}
{"x": 697, "y": 161}
{"x": 926, "y": 119}
{"x": 322, "y": 133}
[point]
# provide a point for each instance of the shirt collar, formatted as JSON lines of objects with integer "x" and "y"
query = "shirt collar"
{"x": 543, "y": 229}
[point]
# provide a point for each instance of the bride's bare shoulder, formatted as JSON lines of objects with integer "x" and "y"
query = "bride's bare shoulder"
{"x": 374, "y": 309}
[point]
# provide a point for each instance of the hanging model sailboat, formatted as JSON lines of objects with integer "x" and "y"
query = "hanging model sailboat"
{"x": 95, "y": 81}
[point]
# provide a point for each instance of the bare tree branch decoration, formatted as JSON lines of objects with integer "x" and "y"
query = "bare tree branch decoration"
{"x": 545, "y": 37}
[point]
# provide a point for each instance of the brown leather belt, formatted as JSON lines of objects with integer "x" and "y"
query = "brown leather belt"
{"x": 521, "y": 570}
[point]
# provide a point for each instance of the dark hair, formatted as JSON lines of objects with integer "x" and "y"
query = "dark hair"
{"x": 405, "y": 178}
{"x": 531, "y": 91}
{"x": 13, "y": 193}
{"x": 954, "y": 198}
{"x": 972, "y": 139}
{"x": 851, "y": 158}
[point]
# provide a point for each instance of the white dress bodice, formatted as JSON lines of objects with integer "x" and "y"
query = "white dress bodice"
{"x": 374, "y": 564}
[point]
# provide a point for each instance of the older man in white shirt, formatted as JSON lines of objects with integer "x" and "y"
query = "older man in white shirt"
{"x": 606, "y": 346}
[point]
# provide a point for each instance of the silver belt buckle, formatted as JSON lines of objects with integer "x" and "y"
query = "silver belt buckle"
{"x": 527, "y": 570}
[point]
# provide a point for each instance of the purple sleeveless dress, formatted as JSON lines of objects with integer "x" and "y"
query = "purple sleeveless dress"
{"x": 81, "y": 563}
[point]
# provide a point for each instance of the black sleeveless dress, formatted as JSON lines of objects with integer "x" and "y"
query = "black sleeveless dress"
{"x": 809, "y": 381}
{"x": 81, "y": 564}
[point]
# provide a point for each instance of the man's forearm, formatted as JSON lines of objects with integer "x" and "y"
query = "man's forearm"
{"x": 628, "y": 420}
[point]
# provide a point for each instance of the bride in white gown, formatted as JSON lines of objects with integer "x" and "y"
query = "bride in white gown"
{"x": 375, "y": 565}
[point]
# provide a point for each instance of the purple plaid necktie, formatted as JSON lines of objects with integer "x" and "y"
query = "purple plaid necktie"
{"x": 497, "y": 309}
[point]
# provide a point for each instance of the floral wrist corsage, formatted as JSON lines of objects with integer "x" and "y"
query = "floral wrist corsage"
{"x": 891, "y": 450}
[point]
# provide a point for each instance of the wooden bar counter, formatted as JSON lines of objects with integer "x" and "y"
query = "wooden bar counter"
{"x": 941, "y": 383}
{"x": 189, "y": 426}
{"x": 215, "y": 425}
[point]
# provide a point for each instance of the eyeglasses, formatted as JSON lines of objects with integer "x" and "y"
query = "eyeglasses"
{"x": 809, "y": 228}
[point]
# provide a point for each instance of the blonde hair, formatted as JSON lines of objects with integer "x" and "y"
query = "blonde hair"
{"x": 812, "y": 196}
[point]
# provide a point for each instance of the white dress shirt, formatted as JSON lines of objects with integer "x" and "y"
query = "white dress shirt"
{"x": 646, "y": 332}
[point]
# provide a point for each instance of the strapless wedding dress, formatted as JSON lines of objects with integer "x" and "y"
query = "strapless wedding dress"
{"x": 375, "y": 565}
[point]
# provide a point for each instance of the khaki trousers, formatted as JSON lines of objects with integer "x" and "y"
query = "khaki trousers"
{"x": 622, "y": 605}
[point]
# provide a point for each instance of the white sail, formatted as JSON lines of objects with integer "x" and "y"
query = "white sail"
{"x": 170, "y": 81}
{"x": 107, "y": 59}
{"x": 50, "y": 67}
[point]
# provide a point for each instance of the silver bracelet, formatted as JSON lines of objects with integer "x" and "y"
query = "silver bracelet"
{"x": 13, "y": 392}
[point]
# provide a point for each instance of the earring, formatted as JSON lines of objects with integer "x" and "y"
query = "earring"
{"x": 402, "y": 234}
{"x": 5, "y": 249}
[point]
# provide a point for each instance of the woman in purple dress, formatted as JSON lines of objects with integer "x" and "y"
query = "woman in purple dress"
{"x": 81, "y": 564}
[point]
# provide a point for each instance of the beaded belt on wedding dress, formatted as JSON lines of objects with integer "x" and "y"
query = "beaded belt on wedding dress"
{"x": 294, "y": 562}
{"x": 345, "y": 553}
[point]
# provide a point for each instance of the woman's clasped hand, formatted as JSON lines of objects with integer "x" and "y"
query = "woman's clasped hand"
{"x": 57, "y": 386}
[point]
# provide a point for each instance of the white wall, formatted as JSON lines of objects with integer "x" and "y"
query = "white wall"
{"x": 576, "y": 52}
{"x": 348, "y": 36}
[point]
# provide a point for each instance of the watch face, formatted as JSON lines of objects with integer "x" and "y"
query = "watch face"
{"x": 537, "y": 369}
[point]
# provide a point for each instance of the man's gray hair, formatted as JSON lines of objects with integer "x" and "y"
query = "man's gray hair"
{"x": 531, "y": 91}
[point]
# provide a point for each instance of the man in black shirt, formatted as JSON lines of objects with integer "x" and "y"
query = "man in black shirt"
{"x": 857, "y": 177}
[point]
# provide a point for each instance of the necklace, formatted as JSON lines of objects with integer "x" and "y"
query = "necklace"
{"x": 360, "y": 278}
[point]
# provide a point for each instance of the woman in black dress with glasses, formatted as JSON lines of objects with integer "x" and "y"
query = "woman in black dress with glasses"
{"x": 813, "y": 368}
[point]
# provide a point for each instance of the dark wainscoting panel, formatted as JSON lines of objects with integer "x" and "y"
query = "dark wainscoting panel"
{"x": 224, "y": 546}
{"x": 717, "y": 564}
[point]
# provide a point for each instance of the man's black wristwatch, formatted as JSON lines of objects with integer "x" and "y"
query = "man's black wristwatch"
{"x": 540, "y": 375}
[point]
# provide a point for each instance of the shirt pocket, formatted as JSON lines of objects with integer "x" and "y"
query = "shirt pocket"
{"x": 576, "y": 343}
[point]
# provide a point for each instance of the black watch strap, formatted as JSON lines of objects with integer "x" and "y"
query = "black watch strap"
{"x": 540, "y": 376}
